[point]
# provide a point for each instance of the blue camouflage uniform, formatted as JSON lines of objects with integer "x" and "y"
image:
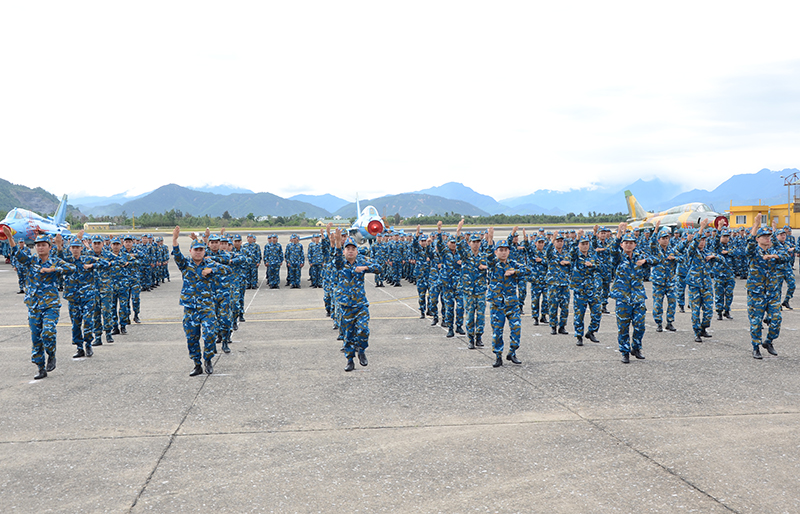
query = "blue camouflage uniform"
{"x": 698, "y": 280}
{"x": 585, "y": 285}
{"x": 273, "y": 258}
{"x": 557, "y": 278}
{"x": 537, "y": 273}
{"x": 764, "y": 289}
{"x": 628, "y": 292}
{"x": 473, "y": 288}
{"x": 504, "y": 304}
{"x": 724, "y": 273}
{"x": 662, "y": 275}
{"x": 295, "y": 260}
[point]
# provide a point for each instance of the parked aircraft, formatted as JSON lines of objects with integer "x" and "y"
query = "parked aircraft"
{"x": 368, "y": 224}
{"x": 25, "y": 225}
{"x": 688, "y": 215}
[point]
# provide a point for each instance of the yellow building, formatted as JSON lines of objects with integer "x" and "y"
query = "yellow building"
{"x": 744, "y": 215}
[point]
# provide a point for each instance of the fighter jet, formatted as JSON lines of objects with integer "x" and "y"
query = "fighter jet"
{"x": 26, "y": 225}
{"x": 368, "y": 224}
{"x": 688, "y": 215}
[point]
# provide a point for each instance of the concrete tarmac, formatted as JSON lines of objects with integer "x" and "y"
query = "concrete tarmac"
{"x": 427, "y": 426}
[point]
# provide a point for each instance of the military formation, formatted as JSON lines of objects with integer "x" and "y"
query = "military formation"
{"x": 456, "y": 275}
{"x": 100, "y": 277}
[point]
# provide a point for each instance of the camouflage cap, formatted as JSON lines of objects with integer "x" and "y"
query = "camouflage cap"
{"x": 116, "y": 241}
{"x": 764, "y": 231}
{"x": 502, "y": 244}
{"x": 237, "y": 237}
{"x": 42, "y": 238}
{"x": 76, "y": 242}
{"x": 628, "y": 237}
{"x": 214, "y": 237}
{"x": 198, "y": 243}
{"x": 350, "y": 242}
{"x": 475, "y": 237}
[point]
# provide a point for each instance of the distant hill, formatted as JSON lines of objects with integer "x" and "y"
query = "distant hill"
{"x": 199, "y": 203}
{"x": 458, "y": 191}
{"x": 224, "y": 189}
{"x": 37, "y": 200}
{"x": 411, "y": 204}
{"x": 327, "y": 201}
{"x": 86, "y": 202}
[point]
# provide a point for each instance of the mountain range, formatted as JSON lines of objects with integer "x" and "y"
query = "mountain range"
{"x": 453, "y": 197}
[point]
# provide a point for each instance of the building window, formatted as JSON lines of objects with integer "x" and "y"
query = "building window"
{"x": 741, "y": 219}
{"x": 764, "y": 219}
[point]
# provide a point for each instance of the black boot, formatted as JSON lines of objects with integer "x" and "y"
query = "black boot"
{"x": 727, "y": 314}
{"x": 80, "y": 353}
{"x": 563, "y": 331}
{"x": 513, "y": 358}
{"x": 786, "y": 305}
{"x": 682, "y": 309}
{"x": 498, "y": 361}
{"x": 421, "y": 314}
{"x": 478, "y": 341}
{"x": 704, "y": 333}
{"x": 719, "y": 315}
{"x": 88, "y": 349}
{"x": 769, "y": 348}
{"x": 605, "y": 310}
{"x": 235, "y": 324}
{"x": 435, "y": 320}
{"x": 460, "y": 330}
{"x": 670, "y": 327}
{"x": 756, "y": 353}
{"x": 42, "y": 373}
{"x": 698, "y": 339}
{"x": 350, "y": 366}
{"x": 209, "y": 366}
{"x": 658, "y": 328}
{"x": 543, "y": 319}
{"x": 115, "y": 331}
{"x": 535, "y": 321}
{"x": 471, "y": 345}
{"x": 625, "y": 358}
{"x": 362, "y": 358}
{"x": 122, "y": 330}
{"x": 591, "y": 337}
{"x": 225, "y": 347}
{"x": 51, "y": 362}
{"x": 136, "y": 318}
{"x": 198, "y": 370}
{"x": 450, "y": 332}
{"x": 553, "y": 331}
{"x": 109, "y": 339}
{"x": 579, "y": 342}
{"x": 637, "y": 352}
{"x": 241, "y": 318}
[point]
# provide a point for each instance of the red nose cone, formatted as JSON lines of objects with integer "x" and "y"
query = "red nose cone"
{"x": 374, "y": 227}
{"x": 2, "y": 234}
{"x": 720, "y": 221}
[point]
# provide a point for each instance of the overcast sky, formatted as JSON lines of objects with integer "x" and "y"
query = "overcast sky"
{"x": 383, "y": 97}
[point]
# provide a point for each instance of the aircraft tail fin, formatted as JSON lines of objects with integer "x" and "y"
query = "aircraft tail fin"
{"x": 61, "y": 213}
{"x": 635, "y": 209}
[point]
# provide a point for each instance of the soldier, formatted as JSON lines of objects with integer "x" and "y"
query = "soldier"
{"x": 224, "y": 286}
{"x": 473, "y": 279}
{"x": 448, "y": 274}
{"x": 103, "y": 280}
{"x": 197, "y": 299}
{"x": 537, "y": 271}
{"x": 422, "y": 257}
{"x": 682, "y": 269}
{"x": 315, "y": 262}
{"x": 241, "y": 269}
{"x": 80, "y": 291}
{"x": 134, "y": 275}
{"x": 781, "y": 242}
{"x": 295, "y": 260}
{"x": 584, "y": 282}
{"x": 698, "y": 279}
{"x": 663, "y": 277}
{"x": 350, "y": 268}
{"x": 724, "y": 274}
{"x": 41, "y": 297}
{"x": 763, "y": 286}
{"x": 253, "y": 252}
{"x": 629, "y": 294}
{"x": 121, "y": 299}
{"x": 502, "y": 295}
{"x": 273, "y": 258}
{"x": 558, "y": 273}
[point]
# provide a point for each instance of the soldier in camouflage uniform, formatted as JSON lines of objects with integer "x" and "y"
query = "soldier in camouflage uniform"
{"x": 273, "y": 258}
{"x": 315, "y": 262}
{"x": 422, "y": 257}
{"x": 662, "y": 275}
{"x": 724, "y": 274}
{"x": 502, "y": 295}
{"x": 782, "y": 243}
{"x": 585, "y": 285}
{"x": 558, "y": 273}
{"x": 41, "y": 297}
{"x": 197, "y": 298}
{"x": 763, "y": 287}
{"x": 103, "y": 280}
{"x": 537, "y": 271}
{"x": 295, "y": 260}
{"x": 350, "y": 269}
{"x": 698, "y": 279}
{"x": 629, "y": 294}
{"x": 80, "y": 291}
{"x": 474, "y": 264}
{"x": 448, "y": 275}
{"x": 253, "y": 251}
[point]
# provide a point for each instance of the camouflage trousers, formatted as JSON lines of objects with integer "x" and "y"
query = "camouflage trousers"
{"x": 627, "y": 315}
{"x": 680, "y": 290}
{"x": 538, "y": 290}
{"x": 223, "y": 312}
{"x": 475, "y": 306}
{"x": 252, "y": 276}
{"x": 659, "y": 292}
{"x": 499, "y": 315}
{"x": 422, "y": 293}
{"x": 197, "y": 322}
{"x": 315, "y": 274}
{"x": 701, "y": 300}
{"x": 558, "y": 299}
{"x": 787, "y": 275}
{"x": 293, "y": 275}
{"x": 42, "y": 323}
{"x": 605, "y": 288}
{"x": 355, "y": 323}
{"x": 121, "y": 306}
{"x": 522, "y": 292}
{"x": 238, "y": 301}
{"x": 759, "y": 308}
{"x": 433, "y": 298}
{"x": 723, "y": 293}
{"x": 135, "y": 301}
{"x": 448, "y": 300}
{"x": 274, "y": 275}
{"x": 80, "y": 313}
{"x": 459, "y": 307}
{"x": 579, "y": 303}
{"x": 103, "y": 313}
